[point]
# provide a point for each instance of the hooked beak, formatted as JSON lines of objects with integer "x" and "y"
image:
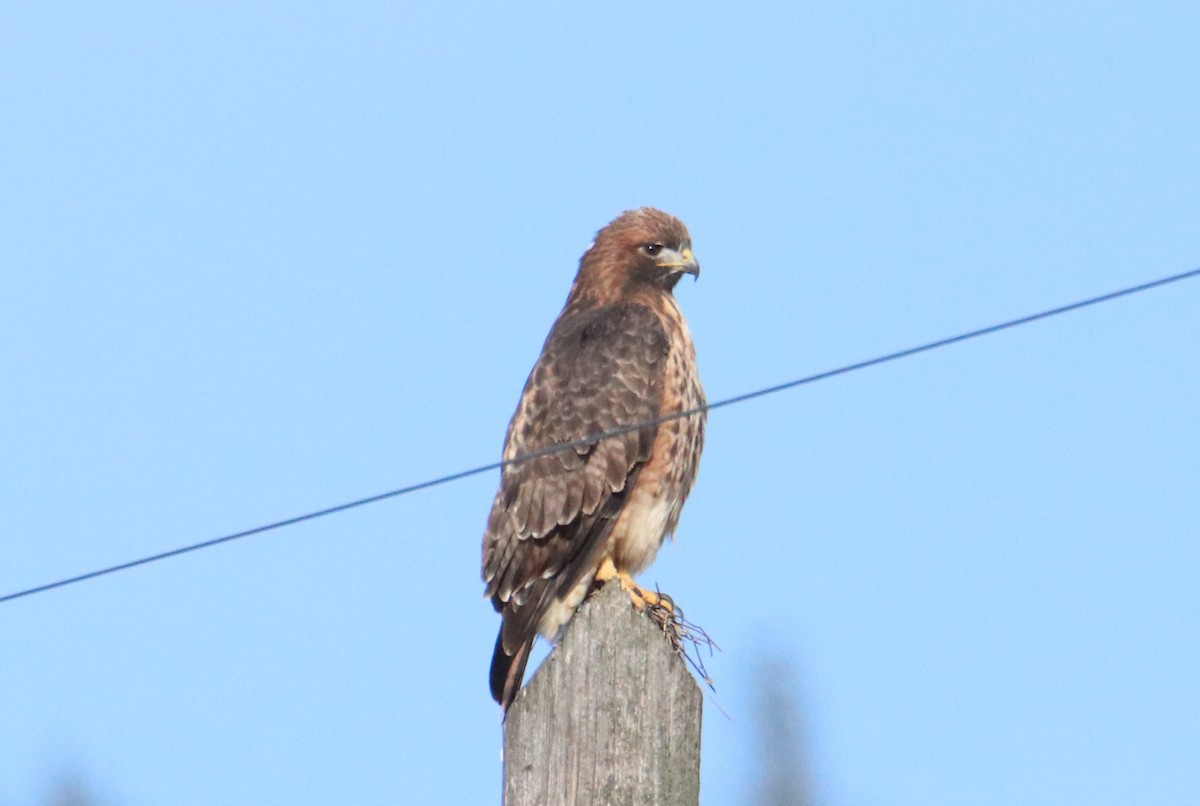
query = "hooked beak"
{"x": 679, "y": 262}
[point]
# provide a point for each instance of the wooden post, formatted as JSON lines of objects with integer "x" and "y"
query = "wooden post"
{"x": 611, "y": 717}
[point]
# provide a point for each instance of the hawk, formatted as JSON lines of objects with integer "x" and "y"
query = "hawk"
{"x": 619, "y": 355}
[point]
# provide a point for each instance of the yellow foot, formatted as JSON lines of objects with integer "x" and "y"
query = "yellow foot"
{"x": 640, "y": 597}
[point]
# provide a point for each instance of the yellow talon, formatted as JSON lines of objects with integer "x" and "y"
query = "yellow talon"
{"x": 639, "y": 596}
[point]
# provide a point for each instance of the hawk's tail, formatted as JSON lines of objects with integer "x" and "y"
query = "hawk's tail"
{"x": 508, "y": 671}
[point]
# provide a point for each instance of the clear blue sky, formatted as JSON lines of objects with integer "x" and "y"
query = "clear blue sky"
{"x": 259, "y": 258}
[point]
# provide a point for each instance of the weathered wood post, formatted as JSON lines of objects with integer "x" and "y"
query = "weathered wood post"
{"x": 611, "y": 717}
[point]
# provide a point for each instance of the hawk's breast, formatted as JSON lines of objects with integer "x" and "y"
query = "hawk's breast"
{"x": 652, "y": 510}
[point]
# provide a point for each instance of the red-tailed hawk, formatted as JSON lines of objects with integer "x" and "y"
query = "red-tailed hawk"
{"x": 619, "y": 354}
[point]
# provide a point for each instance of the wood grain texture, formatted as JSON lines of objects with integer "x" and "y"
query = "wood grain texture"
{"x": 611, "y": 717}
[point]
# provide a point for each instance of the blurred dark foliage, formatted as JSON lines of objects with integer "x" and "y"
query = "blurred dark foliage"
{"x": 781, "y": 775}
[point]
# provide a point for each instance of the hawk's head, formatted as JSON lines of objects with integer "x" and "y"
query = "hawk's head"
{"x": 639, "y": 249}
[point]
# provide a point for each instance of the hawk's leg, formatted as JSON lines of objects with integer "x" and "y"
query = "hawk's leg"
{"x": 640, "y": 597}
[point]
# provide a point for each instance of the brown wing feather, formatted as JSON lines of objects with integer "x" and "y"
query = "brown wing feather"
{"x": 600, "y": 370}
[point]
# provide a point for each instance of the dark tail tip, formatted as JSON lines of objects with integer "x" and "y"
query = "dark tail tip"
{"x": 508, "y": 671}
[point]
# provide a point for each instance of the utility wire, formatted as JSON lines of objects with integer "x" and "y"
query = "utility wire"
{"x": 729, "y": 401}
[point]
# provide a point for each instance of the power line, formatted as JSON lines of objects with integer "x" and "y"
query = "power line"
{"x": 770, "y": 390}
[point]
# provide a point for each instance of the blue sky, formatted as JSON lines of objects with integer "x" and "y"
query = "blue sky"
{"x": 259, "y": 259}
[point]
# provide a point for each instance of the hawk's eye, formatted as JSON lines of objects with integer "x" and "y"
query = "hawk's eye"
{"x": 652, "y": 249}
